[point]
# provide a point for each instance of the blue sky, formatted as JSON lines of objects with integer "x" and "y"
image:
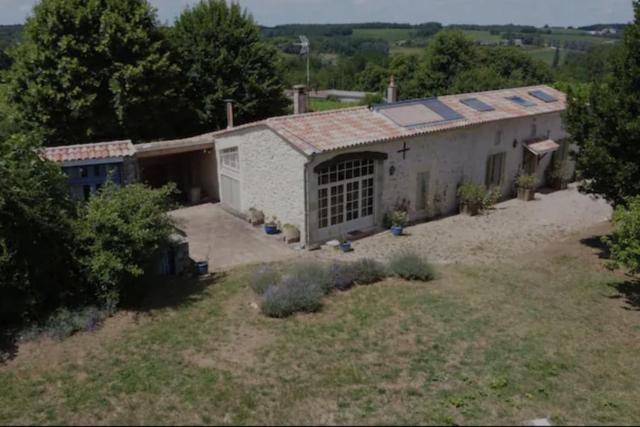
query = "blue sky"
{"x": 272, "y": 12}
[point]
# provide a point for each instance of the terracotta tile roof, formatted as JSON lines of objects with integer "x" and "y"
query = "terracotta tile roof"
{"x": 175, "y": 146}
{"x": 337, "y": 129}
{"x": 101, "y": 150}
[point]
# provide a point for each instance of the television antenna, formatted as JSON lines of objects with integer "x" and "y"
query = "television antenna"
{"x": 305, "y": 49}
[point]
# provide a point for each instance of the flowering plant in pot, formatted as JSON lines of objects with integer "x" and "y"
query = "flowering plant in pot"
{"x": 291, "y": 233}
{"x": 399, "y": 220}
{"x": 271, "y": 227}
{"x": 345, "y": 245}
{"x": 526, "y": 185}
{"x": 471, "y": 198}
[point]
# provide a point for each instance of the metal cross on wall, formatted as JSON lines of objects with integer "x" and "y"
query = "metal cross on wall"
{"x": 404, "y": 151}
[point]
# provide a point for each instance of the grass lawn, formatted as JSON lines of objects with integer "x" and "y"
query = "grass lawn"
{"x": 478, "y": 35}
{"x": 550, "y": 334}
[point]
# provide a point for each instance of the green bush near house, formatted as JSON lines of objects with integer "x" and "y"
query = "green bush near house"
{"x": 624, "y": 243}
{"x": 121, "y": 232}
{"x": 411, "y": 266}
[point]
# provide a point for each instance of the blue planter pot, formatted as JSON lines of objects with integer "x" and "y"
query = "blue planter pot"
{"x": 271, "y": 229}
{"x": 202, "y": 268}
{"x": 396, "y": 231}
{"x": 345, "y": 247}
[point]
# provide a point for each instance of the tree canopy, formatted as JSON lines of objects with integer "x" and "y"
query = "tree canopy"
{"x": 604, "y": 121}
{"x": 94, "y": 70}
{"x": 222, "y": 56}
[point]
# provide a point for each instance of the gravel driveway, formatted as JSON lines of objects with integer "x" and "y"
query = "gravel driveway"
{"x": 512, "y": 228}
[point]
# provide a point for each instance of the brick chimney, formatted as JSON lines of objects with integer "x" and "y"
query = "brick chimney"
{"x": 229, "y": 113}
{"x": 299, "y": 99}
{"x": 392, "y": 91}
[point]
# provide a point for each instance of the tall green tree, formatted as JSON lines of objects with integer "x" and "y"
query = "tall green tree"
{"x": 36, "y": 232}
{"x": 90, "y": 70}
{"x": 222, "y": 56}
{"x": 448, "y": 55}
{"x": 605, "y": 123}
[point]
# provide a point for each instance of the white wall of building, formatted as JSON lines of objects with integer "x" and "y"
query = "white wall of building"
{"x": 449, "y": 158}
{"x": 271, "y": 175}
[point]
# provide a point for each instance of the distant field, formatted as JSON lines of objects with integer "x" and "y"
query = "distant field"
{"x": 482, "y": 35}
{"x": 391, "y": 35}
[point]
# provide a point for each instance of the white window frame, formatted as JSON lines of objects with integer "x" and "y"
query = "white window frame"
{"x": 230, "y": 158}
{"x": 346, "y": 192}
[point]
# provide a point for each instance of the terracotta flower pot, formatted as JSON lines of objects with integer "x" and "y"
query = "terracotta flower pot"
{"x": 526, "y": 194}
{"x": 470, "y": 209}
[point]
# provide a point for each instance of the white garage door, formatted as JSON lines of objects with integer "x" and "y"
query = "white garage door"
{"x": 346, "y": 197}
{"x": 230, "y": 192}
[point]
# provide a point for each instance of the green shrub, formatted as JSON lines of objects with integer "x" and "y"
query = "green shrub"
{"x": 368, "y": 271}
{"x": 399, "y": 218}
{"x": 290, "y": 296}
{"x": 471, "y": 194}
{"x": 262, "y": 278}
{"x": 526, "y": 182}
{"x": 343, "y": 275}
{"x": 624, "y": 244}
{"x": 312, "y": 272}
{"x": 491, "y": 197}
{"x": 65, "y": 322}
{"x": 121, "y": 232}
{"x": 410, "y": 266}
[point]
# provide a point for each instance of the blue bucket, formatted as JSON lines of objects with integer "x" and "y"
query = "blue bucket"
{"x": 396, "y": 231}
{"x": 271, "y": 229}
{"x": 202, "y": 268}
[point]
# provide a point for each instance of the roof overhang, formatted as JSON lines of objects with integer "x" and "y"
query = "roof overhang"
{"x": 180, "y": 146}
{"x": 540, "y": 148}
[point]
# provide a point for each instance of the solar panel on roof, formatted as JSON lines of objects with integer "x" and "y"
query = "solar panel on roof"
{"x": 542, "y": 96}
{"x": 521, "y": 101}
{"x": 419, "y": 113}
{"x": 477, "y": 105}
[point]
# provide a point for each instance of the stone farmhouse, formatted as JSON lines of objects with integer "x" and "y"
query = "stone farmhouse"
{"x": 335, "y": 174}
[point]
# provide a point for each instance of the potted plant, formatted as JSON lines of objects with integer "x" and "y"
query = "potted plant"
{"x": 271, "y": 227}
{"x": 560, "y": 175}
{"x": 255, "y": 216}
{"x": 526, "y": 185}
{"x": 471, "y": 198}
{"x": 291, "y": 233}
{"x": 345, "y": 245}
{"x": 399, "y": 220}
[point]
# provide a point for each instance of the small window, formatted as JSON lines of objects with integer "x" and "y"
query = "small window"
{"x": 495, "y": 170}
{"x": 230, "y": 159}
{"x": 498, "y": 140}
{"x": 521, "y": 101}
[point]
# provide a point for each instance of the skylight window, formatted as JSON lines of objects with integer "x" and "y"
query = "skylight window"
{"x": 542, "y": 96}
{"x": 521, "y": 101}
{"x": 477, "y": 105}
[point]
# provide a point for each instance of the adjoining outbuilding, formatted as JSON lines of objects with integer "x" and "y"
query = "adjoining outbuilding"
{"x": 336, "y": 174}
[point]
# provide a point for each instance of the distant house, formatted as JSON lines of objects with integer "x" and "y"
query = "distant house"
{"x": 336, "y": 174}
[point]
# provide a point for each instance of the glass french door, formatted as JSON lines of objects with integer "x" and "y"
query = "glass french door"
{"x": 346, "y": 196}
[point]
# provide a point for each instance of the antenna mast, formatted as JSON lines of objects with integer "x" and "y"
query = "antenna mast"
{"x": 305, "y": 49}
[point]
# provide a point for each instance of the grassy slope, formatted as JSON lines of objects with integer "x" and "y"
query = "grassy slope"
{"x": 389, "y": 34}
{"x": 324, "y": 105}
{"x": 542, "y": 336}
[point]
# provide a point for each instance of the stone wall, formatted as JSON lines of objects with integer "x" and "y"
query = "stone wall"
{"x": 271, "y": 175}
{"x": 448, "y": 158}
